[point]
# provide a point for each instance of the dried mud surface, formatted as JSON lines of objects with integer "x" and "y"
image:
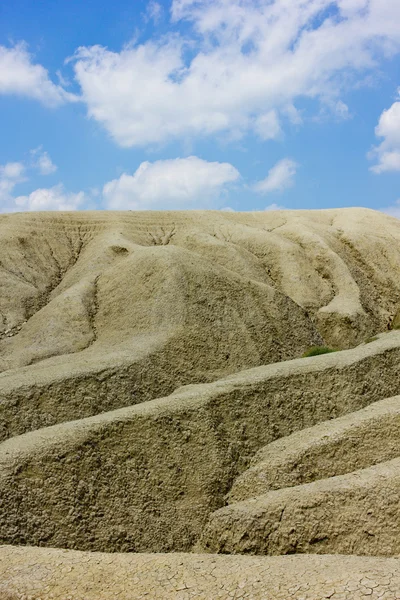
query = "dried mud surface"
{"x": 153, "y": 400}
{"x": 34, "y": 573}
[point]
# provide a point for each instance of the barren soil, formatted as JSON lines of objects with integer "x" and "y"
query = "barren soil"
{"x": 156, "y": 412}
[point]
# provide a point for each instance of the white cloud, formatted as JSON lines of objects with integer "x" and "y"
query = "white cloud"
{"x": 45, "y": 164}
{"x": 154, "y": 11}
{"x": 388, "y": 152}
{"x": 293, "y": 114}
{"x": 341, "y": 110}
{"x": 20, "y": 76}
{"x": 267, "y": 126}
{"x": 388, "y": 161}
{"x": 393, "y": 210}
{"x": 42, "y": 161}
{"x": 11, "y": 174}
{"x": 275, "y": 207}
{"x": 12, "y": 171}
{"x": 350, "y": 7}
{"x": 176, "y": 183}
{"x": 280, "y": 177}
{"x": 55, "y": 198}
{"x": 245, "y": 60}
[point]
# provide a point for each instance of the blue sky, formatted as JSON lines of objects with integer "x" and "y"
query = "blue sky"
{"x": 241, "y": 104}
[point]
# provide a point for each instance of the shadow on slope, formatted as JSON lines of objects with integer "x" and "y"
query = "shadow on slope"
{"x": 160, "y": 318}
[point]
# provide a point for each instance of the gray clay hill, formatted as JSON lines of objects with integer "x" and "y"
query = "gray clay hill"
{"x": 162, "y": 435}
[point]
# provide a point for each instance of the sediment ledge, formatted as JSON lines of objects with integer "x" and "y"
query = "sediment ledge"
{"x": 355, "y": 441}
{"x": 357, "y": 513}
{"x": 147, "y": 477}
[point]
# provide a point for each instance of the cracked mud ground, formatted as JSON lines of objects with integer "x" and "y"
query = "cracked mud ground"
{"x": 181, "y": 576}
{"x": 161, "y": 436}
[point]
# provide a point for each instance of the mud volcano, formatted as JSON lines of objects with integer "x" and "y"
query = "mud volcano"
{"x": 162, "y": 435}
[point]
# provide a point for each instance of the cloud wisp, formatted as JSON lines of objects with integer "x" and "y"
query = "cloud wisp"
{"x": 393, "y": 210}
{"x": 275, "y": 206}
{"x": 42, "y": 161}
{"x": 280, "y": 177}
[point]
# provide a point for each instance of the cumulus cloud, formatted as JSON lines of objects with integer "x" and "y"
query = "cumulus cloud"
{"x": 280, "y": 177}
{"x": 177, "y": 183}
{"x": 388, "y": 152}
{"x": 240, "y": 68}
{"x": 20, "y": 76}
{"x": 54, "y": 198}
{"x": 42, "y": 161}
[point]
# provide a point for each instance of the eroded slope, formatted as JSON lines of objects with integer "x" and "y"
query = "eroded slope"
{"x": 72, "y": 282}
{"x": 100, "y": 311}
{"x": 105, "y": 310}
{"x": 147, "y": 477}
{"x": 355, "y": 441}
